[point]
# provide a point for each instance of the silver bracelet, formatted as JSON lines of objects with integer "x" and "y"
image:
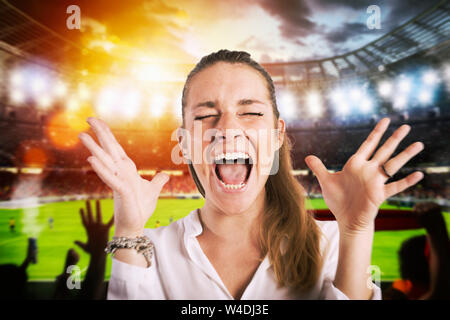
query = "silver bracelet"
{"x": 142, "y": 244}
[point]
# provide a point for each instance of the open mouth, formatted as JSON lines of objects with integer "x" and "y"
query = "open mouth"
{"x": 233, "y": 169}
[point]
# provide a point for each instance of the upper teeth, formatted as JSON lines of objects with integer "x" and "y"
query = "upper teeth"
{"x": 231, "y": 156}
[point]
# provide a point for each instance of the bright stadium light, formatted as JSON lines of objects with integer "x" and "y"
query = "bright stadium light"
{"x": 106, "y": 100}
{"x": 404, "y": 85}
{"x": 356, "y": 94}
{"x": 37, "y": 85}
{"x": 73, "y": 104}
{"x": 60, "y": 89}
{"x": 44, "y": 101}
{"x": 343, "y": 108}
{"x": 83, "y": 91}
{"x": 385, "y": 89}
{"x": 425, "y": 96}
{"x": 314, "y": 103}
{"x": 337, "y": 96}
{"x": 16, "y": 78}
{"x": 287, "y": 105}
{"x": 430, "y": 78}
{"x": 157, "y": 105}
{"x": 17, "y": 96}
{"x": 400, "y": 102}
{"x": 130, "y": 104}
{"x": 366, "y": 105}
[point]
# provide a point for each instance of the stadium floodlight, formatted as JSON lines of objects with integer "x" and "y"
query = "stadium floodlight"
{"x": 16, "y": 79}
{"x": 400, "y": 102}
{"x": 430, "y": 78}
{"x": 73, "y": 104}
{"x": 314, "y": 103}
{"x": 287, "y": 105}
{"x": 44, "y": 101}
{"x": 37, "y": 85}
{"x": 385, "y": 88}
{"x": 339, "y": 102}
{"x": 17, "y": 96}
{"x": 83, "y": 91}
{"x": 60, "y": 89}
{"x": 106, "y": 100}
{"x": 404, "y": 85}
{"x": 356, "y": 94}
{"x": 366, "y": 105}
{"x": 425, "y": 96}
{"x": 337, "y": 96}
{"x": 130, "y": 104}
{"x": 157, "y": 105}
{"x": 343, "y": 108}
{"x": 150, "y": 73}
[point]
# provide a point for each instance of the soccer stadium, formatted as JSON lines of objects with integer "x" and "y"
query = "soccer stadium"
{"x": 50, "y": 84}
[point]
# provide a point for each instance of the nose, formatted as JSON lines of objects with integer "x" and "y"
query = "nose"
{"x": 228, "y": 128}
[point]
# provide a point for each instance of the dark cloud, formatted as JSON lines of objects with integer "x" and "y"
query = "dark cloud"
{"x": 294, "y": 16}
{"x": 352, "y": 4}
{"x": 348, "y": 31}
{"x": 296, "y": 19}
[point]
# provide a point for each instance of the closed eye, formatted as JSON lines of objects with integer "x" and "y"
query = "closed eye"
{"x": 259, "y": 114}
{"x": 204, "y": 117}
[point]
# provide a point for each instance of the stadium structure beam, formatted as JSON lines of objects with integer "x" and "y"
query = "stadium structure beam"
{"x": 405, "y": 40}
{"x": 349, "y": 63}
{"x": 364, "y": 61}
{"x": 337, "y": 67}
{"x": 6, "y": 32}
{"x": 322, "y": 71}
{"x": 30, "y": 44}
{"x": 432, "y": 29}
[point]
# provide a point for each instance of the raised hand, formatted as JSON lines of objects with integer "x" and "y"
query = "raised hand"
{"x": 134, "y": 197}
{"x": 354, "y": 194}
{"x": 97, "y": 231}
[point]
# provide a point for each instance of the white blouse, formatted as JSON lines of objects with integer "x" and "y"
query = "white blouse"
{"x": 180, "y": 270}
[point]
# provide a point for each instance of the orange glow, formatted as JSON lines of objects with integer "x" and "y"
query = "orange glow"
{"x": 34, "y": 157}
{"x": 63, "y": 128}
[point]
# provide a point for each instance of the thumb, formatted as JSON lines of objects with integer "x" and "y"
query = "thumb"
{"x": 159, "y": 180}
{"x": 317, "y": 167}
{"x": 81, "y": 245}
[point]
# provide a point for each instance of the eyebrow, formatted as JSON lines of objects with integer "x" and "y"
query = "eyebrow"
{"x": 212, "y": 104}
{"x": 251, "y": 100}
{"x": 209, "y": 104}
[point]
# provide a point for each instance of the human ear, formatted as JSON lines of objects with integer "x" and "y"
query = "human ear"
{"x": 183, "y": 142}
{"x": 281, "y": 129}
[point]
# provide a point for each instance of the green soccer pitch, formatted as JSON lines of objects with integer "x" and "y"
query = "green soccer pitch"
{"x": 54, "y": 243}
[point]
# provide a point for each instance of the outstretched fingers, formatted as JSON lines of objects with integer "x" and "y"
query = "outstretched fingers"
{"x": 396, "y": 163}
{"x": 97, "y": 151}
{"x": 106, "y": 138}
{"x": 388, "y": 148}
{"x": 370, "y": 144}
{"x": 83, "y": 217}
{"x": 90, "y": 218}
{"x": 393, "y": 188}
{"x": 98, "y": 211}
{"x": 105, "y": 175}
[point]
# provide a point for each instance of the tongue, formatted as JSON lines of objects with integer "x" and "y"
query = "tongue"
{"x": 232, "y": 173}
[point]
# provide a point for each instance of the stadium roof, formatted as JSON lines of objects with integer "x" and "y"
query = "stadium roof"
{"x": 25, "y": 37}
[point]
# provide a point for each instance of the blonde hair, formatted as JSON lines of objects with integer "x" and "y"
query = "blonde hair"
{"x": 289, "y": 235}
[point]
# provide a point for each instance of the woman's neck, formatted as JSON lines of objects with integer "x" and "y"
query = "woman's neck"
{"x": 233, "y": 228}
